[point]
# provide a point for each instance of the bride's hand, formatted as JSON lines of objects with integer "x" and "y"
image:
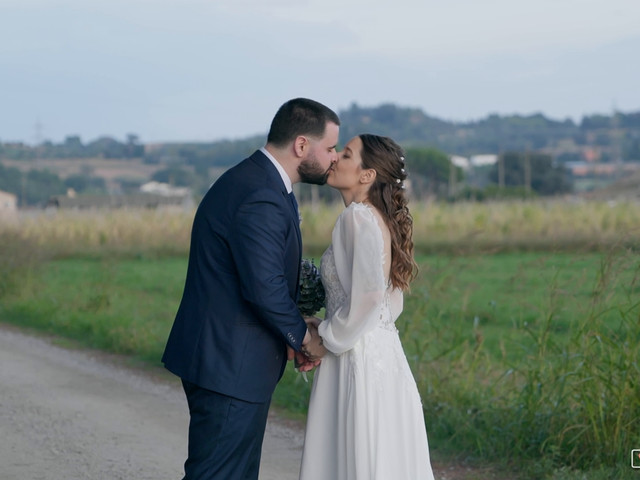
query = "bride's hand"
{"x": 315, "y": 321}
{"x": 303, "y": 364}
{"x": 314, "y": 348}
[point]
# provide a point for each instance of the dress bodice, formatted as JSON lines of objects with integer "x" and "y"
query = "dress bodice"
{"x": 358, "y": 296}
{"x": 335, "y": 295}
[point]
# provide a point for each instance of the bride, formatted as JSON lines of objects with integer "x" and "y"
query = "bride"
{"x": 365, "y": 419}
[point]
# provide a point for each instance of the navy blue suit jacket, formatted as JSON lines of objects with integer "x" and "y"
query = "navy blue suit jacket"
{"x": 238, "y": 309}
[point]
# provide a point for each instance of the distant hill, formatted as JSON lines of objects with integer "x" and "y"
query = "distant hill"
{"x": 596, "y": 151}
{"x": 597, "y": 137}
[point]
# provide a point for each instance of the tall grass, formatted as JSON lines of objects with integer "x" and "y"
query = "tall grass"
{"x": 19, "y": 257}
{"x": 560, "y": 387}
{"x": 533, "y": 357}
{"x": 101, "y": 233}
{"x": 526, "y": 225}
{"x": 461, "y": 227}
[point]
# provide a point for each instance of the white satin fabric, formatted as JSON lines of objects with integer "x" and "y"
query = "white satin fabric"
{"x": 365, "y": 419}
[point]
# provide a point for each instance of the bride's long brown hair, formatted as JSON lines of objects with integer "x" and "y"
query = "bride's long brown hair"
{"x": 387, "y": 194}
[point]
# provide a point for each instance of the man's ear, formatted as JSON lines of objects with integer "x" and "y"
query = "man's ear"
{"x": 368, "y": 176}
{"x": 300, "y": 145}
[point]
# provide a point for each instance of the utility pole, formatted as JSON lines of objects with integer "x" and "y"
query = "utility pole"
{"x": 452, "y": 178}
{"x": 501, "y": 170}
{"x": 23, "y": 196}
{"x": 617, "y": 143}
{"x": 527, "y": 169}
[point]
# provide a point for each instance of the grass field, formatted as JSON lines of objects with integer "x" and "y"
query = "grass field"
{"x": 527, "y": 357}
{"x": 488, "y": 338}
{"x": 438, "y": 228}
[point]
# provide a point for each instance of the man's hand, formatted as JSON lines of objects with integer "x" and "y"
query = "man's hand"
{"x": 312, "y": 351}
{"x": 313, "y": 348}
{"x": 300, "y": 360}
{"x": 291, "y": 353}
{"x": 313, "y": 321}
{"x": 303, "y": 364}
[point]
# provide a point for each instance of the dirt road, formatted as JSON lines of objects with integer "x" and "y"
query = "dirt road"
{"x": 77, "y": 415}
{"x": 72, "y": 415}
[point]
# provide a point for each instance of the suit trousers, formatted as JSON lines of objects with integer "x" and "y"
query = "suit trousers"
{"x": 225, "y": 435}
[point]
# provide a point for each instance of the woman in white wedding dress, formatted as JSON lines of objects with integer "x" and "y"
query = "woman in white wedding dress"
{"x": 365, "y": 419}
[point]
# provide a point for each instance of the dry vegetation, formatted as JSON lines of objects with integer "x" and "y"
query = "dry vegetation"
{"x": 550, "y": 375}
{"x": 109, "y": 169}
{"x": 438, "y": 227}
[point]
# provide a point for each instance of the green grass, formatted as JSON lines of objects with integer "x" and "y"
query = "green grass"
{"x": 531, "y": 357}
{"x": 122, "y": 306}
{"x": 499, "y": 299}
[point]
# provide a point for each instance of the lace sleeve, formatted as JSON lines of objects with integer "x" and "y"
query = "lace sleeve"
{"x": 358, "y": 250}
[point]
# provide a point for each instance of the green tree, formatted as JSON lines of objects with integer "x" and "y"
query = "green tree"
{"x": 430, "y": 171}
{"x": 133, "y": 147}
{"x": 10, "y": 179}
{"x": 40, "y": 185}
{"x": 106, "y": 147}
{"x": 86, "y": 183}
{"x": 72, "y": 147}
{"x": 536, "y": 169}
{"x": 176, "y": 176}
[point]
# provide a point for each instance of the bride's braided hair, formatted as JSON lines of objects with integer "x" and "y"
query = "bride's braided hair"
{"x": 387, "y": 194}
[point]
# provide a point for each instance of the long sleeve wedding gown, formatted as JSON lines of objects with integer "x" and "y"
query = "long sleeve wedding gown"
{"x": 365, "y": 419}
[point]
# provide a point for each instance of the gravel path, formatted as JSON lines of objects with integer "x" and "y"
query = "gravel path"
{"x": 78, "y": 415}
{"x": 67, "y": 414}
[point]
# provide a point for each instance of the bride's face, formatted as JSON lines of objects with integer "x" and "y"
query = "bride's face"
{"x": 345, "y": 173}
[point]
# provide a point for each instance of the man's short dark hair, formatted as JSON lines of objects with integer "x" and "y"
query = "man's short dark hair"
{"x": 300, "y": 116}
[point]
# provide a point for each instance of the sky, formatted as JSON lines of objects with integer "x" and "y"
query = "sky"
{"x": 205, "y": 70}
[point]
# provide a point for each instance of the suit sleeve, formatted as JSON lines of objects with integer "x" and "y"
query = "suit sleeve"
{"x": 257, "y": 240}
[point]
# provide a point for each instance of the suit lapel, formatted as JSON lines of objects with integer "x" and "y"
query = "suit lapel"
{"x": 274, "y": 176}
{"x": 296, "y": 218}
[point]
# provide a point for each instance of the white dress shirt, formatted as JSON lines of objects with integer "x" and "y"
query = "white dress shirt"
{"x": 283, "y": 174}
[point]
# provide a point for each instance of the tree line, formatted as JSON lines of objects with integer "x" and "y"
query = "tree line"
{"x": 432, "y": 175}
{"x": 532, "y": 151}
{"x": 73, "y": 147}
{"x": 615, "y": 136}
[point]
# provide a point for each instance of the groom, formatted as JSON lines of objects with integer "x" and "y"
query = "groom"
{"x": 238, "y": 321}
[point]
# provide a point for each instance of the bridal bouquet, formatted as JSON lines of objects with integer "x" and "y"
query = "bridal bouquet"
{"x": 311, "y": 297}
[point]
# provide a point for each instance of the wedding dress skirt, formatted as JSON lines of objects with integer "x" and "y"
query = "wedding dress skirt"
{"x": 365, "y": 419}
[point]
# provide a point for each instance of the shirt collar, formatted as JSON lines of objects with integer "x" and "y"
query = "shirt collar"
{"x": 283, "y": 174}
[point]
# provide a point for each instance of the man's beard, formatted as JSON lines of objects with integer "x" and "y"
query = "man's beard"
{"x": 311, "y": 172}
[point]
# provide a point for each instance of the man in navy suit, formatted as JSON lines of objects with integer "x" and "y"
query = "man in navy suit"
{"x": 238, "y": 322}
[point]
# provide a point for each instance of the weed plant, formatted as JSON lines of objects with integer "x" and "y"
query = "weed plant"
{"x": 557, "y": 383}
{"x": 530, "y": 356}
{"x": 456, "y": 228}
